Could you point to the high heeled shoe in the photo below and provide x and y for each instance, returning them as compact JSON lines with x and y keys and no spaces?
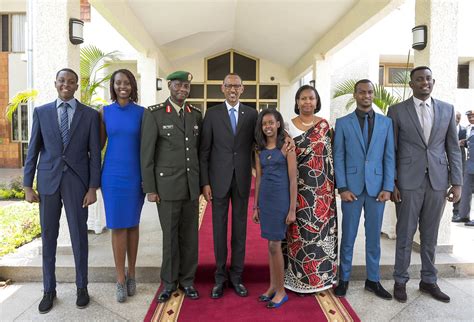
{"x":273,"y":305}
{"x":264,"y":298}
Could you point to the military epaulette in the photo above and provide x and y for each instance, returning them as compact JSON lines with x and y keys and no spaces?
{"x":195,"y":108}
{"x":156,"y":107}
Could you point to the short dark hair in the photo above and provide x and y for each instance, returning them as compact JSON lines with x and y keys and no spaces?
{"x":363,"y":81}
{"x":69,"y":70}
{"x":417,"y":69}
{"x":133,"y":84}
{"x":297,"y":97}
{"x":232,"y":74}
{"x":260,"y":137}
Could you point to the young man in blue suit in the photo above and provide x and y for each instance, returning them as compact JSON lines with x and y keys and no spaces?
{"x":364,"y":161}
{"x":65,"y":138}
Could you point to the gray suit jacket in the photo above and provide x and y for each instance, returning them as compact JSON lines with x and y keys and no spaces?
{"x":441,"y":156}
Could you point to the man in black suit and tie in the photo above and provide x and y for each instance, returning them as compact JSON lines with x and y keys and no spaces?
{"x":462,"y":144}
{"x":225,"y":164}
{"x":65,"y":138}
{"x":468,"y":179}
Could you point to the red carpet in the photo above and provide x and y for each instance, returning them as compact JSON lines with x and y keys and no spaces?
{"x":322,"y":307}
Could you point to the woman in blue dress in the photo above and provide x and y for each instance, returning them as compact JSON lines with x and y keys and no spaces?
{"x":121,"y":178}
{"x":275,"y":197}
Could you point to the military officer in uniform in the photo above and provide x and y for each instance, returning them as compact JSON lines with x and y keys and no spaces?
{"x":468,"y":181}
{"x":170,"y":174}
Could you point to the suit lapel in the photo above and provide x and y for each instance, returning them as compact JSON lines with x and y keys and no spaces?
{"x":436,"y":121}
{"x":224,"y":115}
{"x":76,"y":119}
{"x":241,"y":119}
{"x":357,"y":130}
{"x":410,"y":106}
{"x":375,"y":132}
{"x":53,"y":116}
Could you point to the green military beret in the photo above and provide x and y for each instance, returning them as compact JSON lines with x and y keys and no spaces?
{"x":180,"y":75}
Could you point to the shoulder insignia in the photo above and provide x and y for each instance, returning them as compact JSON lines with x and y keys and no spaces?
{"x":155,"y":107}
{"x":197,"y":109}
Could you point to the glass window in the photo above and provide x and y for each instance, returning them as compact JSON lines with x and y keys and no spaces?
{"x":245,"y":67}
{"x":268,"y":92}
{"x":18,"y":33}
{"x":197,"y":91}
{"x":4,"y":33}
{"x":211,"y":104}
{"x":381,"y":73}
{"x":20,"y":124}
{"x":264,"y":106}
{"x":396,"y":75}
{"x":218,"y":67}
{"x":463,"y":76}
{"x":214,"y":91}
{"x":199,"y":105}
{"x":250,"y":92}
{"x":251,"y":104}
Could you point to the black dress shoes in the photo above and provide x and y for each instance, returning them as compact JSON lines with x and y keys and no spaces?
{"x":217,"y":291}
{"x":458,"y":218}
{"x":377,"y":289}
{"x":341,"y":288}
{"x":240,"y":289}
{"x":190,"y":292}
{"x":434,"y":290}
{"x":46,"y":303}
{"x":164,"y":295}
{"x":400,"y":292}
{"x":469,"y":223}
{"x":82,"y":298}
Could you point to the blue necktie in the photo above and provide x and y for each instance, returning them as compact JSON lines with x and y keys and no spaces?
{"x":233,"y":120}
{"x":365,"y":132}
{"x":64,"y":124}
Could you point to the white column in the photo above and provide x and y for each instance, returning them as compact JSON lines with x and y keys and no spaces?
{"x":471,"y":74}
{"x":147,"y":69}
{"x":322,"y":77}
{"x":52,"y":49}
{"x":441,"y":55}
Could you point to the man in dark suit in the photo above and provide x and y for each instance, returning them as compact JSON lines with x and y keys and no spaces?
{"x":226,"y":173}
{"x":364,"y":163}
{"x":461,"y":130}
{"x":65,"y":137}
{"x":428,"y":162}
{"x":468,"y":179}
{"x":170,"y":174}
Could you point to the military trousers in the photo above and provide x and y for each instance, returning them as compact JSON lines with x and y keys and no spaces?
{"x":179,"y":221}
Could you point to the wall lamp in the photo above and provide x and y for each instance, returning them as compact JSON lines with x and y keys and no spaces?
{"x":159,"y":84}
{"x":76,"y":29}
{"x":420,"y":36}
{"x":312,"y":83}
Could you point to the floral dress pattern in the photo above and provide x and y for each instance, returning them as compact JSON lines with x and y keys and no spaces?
{"x":311,"y":249}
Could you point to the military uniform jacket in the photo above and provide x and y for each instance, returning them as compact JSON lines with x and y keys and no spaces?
{"x":169,"y":152}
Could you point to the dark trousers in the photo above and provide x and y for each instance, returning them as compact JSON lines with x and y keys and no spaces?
{"x":179,"y":221}
{"x":466,"y":195}
{"x":71,"y":193}
{"x":220,"y":211}
{"x":421,"y":207}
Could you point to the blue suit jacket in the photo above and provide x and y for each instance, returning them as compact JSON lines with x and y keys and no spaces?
{"x":81,"y":154}
{"x":356,"y":168}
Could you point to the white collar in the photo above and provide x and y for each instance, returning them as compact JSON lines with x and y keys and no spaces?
{"x":418,"y":101}
{"x":230,"y":106}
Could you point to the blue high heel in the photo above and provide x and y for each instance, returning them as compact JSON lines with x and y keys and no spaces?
{"x":273,"y":305}
{"x":264,"y":298}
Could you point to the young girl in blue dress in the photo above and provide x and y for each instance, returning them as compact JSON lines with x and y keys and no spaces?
{"x":275,"y":197}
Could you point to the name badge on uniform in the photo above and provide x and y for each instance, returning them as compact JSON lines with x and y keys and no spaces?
{"x":168,"y":127}
{"x":196,"y":130}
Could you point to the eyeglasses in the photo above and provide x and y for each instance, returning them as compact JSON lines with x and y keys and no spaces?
{"x":234,"y":86}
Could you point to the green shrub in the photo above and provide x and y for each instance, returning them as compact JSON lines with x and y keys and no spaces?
{"x":13,"y":190}
{"x":19,"y":224}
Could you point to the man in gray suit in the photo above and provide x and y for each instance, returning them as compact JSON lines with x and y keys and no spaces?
{"x":428,"y":161}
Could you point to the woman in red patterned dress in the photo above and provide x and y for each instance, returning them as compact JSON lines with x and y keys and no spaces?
{"x":311,"y":252}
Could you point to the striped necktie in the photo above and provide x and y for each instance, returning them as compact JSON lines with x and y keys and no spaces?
{"x":64,"y":123}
